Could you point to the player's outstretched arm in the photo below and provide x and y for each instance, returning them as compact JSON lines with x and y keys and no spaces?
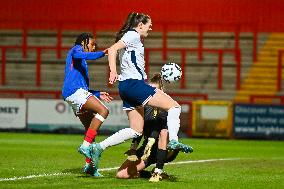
{"x":88,"y":55}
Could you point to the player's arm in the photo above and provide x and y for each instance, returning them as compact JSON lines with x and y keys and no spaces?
{"x":134,"y":145}
{"x":112,"y":53}
{"x":78,"y":53}
{"x":135,"y":142}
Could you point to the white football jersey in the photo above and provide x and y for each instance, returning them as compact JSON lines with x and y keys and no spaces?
{"x":132,"y":63}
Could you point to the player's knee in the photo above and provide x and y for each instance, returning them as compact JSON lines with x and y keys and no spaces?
{"x":105,"y":112}
{"x":176,"y":105}
{"x":173,"y":104}
{"x":136,"y":133}
{"x":174,"y":111}
{"x":102,"y":114}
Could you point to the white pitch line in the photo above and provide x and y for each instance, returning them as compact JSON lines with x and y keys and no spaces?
{"x":33,"y":176}
{"x":203,"y":161}
{"x":112,"y":168}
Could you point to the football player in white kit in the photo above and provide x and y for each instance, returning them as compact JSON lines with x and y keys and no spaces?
{"x":133,"y":89}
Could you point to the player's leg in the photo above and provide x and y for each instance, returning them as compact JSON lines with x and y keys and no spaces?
{"x":133,"y":147}
{"x":81,"y":101}
{"x":100,"y":112}
{"x":86,"y":119}
{"x":164,"y":101}
{"x":171,"y":155}
{"x":93,"y":114}
{"x":136,"y":121}
{"x":135,"y":94}
{"x":161,"y":156}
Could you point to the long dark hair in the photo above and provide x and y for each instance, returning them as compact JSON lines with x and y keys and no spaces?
{"x":84,"y":37}
{"x":132,"y":21}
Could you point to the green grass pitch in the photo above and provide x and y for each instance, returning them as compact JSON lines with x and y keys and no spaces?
{"x":52,"y":161}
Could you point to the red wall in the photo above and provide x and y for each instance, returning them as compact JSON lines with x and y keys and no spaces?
{"x":265,"y":15}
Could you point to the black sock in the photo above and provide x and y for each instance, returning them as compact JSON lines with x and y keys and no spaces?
{"x":161,"y":158}
{"x":135,"y":142}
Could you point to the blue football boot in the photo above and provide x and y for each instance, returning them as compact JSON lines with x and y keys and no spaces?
{"x":176,"y":145}
{"x":97,"y":174}
{"x":88,"y":169}
{"x":96,"y":152}
{"x":86,"y":151}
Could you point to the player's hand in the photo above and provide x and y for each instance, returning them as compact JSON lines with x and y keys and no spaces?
{"x":105,"y":97}
{"x":106,"y":52}
{"x":113,"y":76}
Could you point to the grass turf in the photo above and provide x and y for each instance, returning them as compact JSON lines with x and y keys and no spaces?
{"x":259,"y":164}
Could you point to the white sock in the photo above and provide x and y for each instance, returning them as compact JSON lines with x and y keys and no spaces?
{"x":173,"y":122}
{"x":159,"y":171}
{"x":119,"y":137}
{"x":86,"y":144}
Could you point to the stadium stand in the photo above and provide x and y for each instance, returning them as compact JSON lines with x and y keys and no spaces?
{"x":201,"y":74}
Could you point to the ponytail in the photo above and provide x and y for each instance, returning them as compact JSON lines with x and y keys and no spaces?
{"x":132,"y":21}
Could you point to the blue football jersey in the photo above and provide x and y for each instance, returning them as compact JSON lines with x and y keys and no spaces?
{"x":76,"y":70}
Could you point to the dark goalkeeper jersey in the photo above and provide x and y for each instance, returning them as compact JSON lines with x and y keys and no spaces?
{"x":154,"y":120}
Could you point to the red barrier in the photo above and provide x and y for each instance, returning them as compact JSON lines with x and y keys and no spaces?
{"x":163,"y":27}
{"x":165,"y":43}
{"x":279,"y":70}
{"x":147,"y":51}
{"x":255,"y":38}
{"x":183,"y":67}
{"x":38,"y":61}
{"x":189,"y":128}
{"x":253,"y":98}
{"x":220,"y":52}
{"x":38,"y":67}
{"x":59,"y":42}
{"x":200,"y":42}
{"x":220,"y":69}
{"x":237,"y":39}
{"x":24,"y":42}
{"x":3,"y":67}
{"x":23,"y":93}
{"x":238,"y":69}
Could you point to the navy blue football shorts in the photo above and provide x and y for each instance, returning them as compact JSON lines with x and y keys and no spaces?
{"x":135,"y":93}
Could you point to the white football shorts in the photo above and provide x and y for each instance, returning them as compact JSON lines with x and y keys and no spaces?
{"x":78,"y":99}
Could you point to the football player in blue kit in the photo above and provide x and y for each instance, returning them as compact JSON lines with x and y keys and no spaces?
{"x":85,"y":103}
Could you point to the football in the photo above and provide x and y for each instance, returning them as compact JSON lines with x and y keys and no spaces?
{"x":171,"y":72}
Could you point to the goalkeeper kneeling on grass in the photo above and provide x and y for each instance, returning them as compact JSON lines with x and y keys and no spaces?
{"x":154,"y":147}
